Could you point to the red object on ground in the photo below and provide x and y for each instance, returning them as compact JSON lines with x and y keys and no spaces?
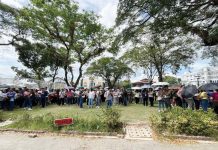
{"x":63,"y":122}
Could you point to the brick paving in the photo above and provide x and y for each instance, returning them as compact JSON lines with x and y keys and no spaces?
{"x":135,"y":131}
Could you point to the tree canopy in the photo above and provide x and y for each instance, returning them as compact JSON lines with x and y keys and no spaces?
{"x":77,"y":34}
{"x":33,"y":57}
{"x":170,"y":17}
{"x":161,"y":54}
{"x":171,"y":80}
{"x":110,"y":69}
{"x":8,"y":24}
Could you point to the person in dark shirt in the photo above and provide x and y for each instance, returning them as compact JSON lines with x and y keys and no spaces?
{"x":44,"y":95}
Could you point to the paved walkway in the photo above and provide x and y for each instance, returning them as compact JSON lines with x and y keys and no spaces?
{"x":138,"y":131}
{"x":17,"y":141}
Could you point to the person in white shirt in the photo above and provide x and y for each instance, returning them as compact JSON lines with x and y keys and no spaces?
{"x":161,"y":102}
{"x":137,"y":96}
{"x":91,"y":97}
{"x":62,"y":96}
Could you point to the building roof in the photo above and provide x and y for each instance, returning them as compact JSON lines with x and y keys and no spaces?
{"x":143,"y":81}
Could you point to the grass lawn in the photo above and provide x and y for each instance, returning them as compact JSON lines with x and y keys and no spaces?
{"x":133,"y":113}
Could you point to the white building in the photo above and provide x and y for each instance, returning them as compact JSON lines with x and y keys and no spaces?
{"x":89,"y":82}
{"x":203,"y":76}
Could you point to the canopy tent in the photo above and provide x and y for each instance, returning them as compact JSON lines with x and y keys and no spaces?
{"x":160,"y":84}
{"x":4,"y":86}
{"x":146,"y":86}
{"x":136,"y":88}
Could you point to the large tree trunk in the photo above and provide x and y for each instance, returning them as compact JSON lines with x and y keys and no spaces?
{"x":79,"y":77}
{"x":110,"y":86}
{"x":160,"y":75}
{"x":72,"y":76}
{"x":66,"y":77}
{"x":54,"y":75}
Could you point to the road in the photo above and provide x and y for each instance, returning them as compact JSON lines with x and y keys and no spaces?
{"x":18,"y":141}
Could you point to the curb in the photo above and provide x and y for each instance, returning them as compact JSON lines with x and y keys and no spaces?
{"x":74,"y":133}
{"x":195,"y":138}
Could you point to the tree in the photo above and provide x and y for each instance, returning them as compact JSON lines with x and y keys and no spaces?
{"x":198,"y":17}
{"x":110,"y":69}
{"x":124,"y":84}
{"x":160,"y":54}
{"x":171,"y":80}
{"x":33,"y":57}
{"x":8,"y":24}
{"x":78,"y":34}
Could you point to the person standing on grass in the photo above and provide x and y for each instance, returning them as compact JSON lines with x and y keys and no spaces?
{"x":120,"y":96}
{"x":11,"y":95}
{"x":166,"y":97}
{"x":144,"y":97}
{"x":204,"y":100}
{"x":125,"y":97}
{"x":109,"y":98}
{"x":44,"y":96}
{"x":31,"y":98}
{"x":69,"y":97}
{"x":196,"y":101}
{"x":137,"y":96}
{"x":27,"y":99}
{"x":215,"y":100}
{"x":161,"y":102}
{"x":62,"y":96}
{"x":81,"y":97}
{"x":98,"y":98}
{"x":91,"y":96}
{"x":151,"y":97}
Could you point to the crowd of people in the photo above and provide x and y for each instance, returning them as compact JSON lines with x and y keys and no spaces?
{"x":166,"y":98}
{"x":177,"y":97}
{"x":27,"y":98}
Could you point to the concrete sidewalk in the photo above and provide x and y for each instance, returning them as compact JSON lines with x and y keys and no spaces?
{"x":18,"y":141}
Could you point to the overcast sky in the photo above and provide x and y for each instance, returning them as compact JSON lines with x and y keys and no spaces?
{"x":105,"y":8}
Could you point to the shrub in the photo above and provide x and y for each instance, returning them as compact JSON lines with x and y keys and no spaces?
{"x":111,"y":117}
{"x":44,"y":122}
{"x":109,"y":121}
{"x":83,"y":125}
{"x":186,"y":121}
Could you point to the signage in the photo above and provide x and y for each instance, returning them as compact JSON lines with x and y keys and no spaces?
{"x":63,"y":122}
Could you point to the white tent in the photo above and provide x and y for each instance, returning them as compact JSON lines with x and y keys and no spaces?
{"x":160,"y":84}
{"x":146,"y":86}
{"x":136,"y":88}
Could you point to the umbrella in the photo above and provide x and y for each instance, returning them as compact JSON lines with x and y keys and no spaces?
{"x":189,"y":91}
{"x":209,"y":87}
{"x":136,"y":88}
{"x":146,"y":86}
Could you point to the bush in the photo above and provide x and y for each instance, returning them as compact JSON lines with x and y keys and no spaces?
{"x":27,"y":122}
{"x":83,"y":125}
{"x":111,"y":117}
{"x":107,"y":121}
{"x":185,"y":121}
